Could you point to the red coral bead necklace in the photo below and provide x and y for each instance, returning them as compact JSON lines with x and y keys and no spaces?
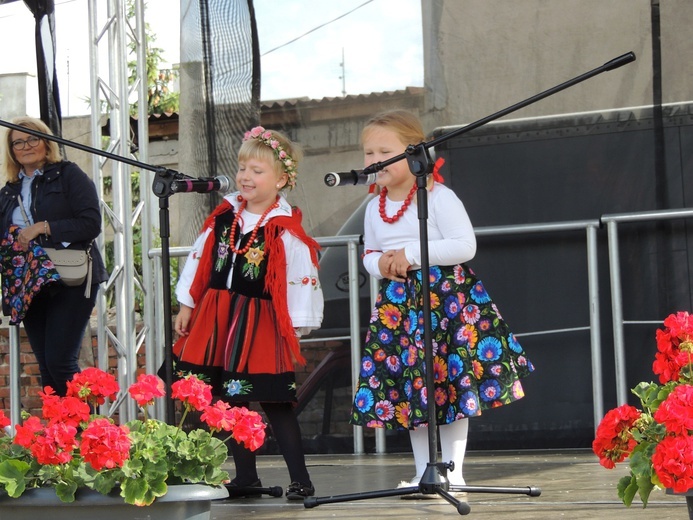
{"x":253,"y":235}
{"x":405,"y":205}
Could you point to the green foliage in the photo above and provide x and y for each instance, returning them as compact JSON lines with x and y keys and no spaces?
{"x":647,"y":434}
{"x":160,"y":455}
{"x":161,"y":99}
{"x":137,"y":243}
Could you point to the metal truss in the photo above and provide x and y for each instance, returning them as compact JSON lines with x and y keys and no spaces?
{"x":111,"y":35}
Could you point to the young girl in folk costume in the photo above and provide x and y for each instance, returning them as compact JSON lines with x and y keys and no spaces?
{"x":477,"y":362}
{"x":248,"y":290}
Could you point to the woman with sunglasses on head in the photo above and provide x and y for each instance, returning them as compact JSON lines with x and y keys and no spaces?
{"x":59,"y":209}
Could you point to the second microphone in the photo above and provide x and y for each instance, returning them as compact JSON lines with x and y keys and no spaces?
{"x":202,"y":185}
{"x":352,"y":178}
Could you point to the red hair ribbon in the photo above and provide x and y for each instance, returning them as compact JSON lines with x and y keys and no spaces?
{"x":436,"y":170}
{"x":436,"y":174}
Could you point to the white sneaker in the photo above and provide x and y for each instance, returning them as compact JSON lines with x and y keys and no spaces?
{"x":405,"y":484}
{"x":416,"y":496}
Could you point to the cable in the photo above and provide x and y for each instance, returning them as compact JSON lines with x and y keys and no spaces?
{"x":316,"y":28}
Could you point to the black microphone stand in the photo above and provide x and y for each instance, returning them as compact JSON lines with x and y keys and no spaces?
{"x":434,"y":479}
{"x":163,"y":187}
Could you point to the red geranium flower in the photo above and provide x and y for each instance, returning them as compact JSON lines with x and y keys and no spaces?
{"x":673,"y":462}
{"x":676,"y":411}
{"x":613,"y":441}
{"x":71,"y":448}
{"x":26,"y":432}
{"x":220,"y":416}
{"x":94,"y":385}
{"x":54,"y":446}
{"x":67,"y":410}
{"x":192,"y":392}
{"x":674,"y":347}
{"x":250,"y":430}
{"x":105,"y":445}
{"x":4,"y":420}
{"x":147,"y":388}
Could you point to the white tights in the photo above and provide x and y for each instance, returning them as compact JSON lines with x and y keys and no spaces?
{"x":453,"y":445}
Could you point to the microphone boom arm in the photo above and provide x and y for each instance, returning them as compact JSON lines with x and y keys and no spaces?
{"x":608,"y":66}
{"x":163,"y":179}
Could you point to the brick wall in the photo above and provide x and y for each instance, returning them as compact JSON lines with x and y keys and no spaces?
{"x":30,"y":381}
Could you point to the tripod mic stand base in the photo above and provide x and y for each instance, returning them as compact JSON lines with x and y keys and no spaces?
{"x":462,"y":507}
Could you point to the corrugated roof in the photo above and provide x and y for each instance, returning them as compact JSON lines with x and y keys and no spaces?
{"x":350,"y":98}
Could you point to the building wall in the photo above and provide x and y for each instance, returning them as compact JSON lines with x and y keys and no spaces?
{"x":18,"y":95}
{"x":482,"y":56}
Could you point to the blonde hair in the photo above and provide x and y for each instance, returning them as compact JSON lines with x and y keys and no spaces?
{"x":256,"y":146}
{"x":406,"y":125}
{"x":10,"y":166}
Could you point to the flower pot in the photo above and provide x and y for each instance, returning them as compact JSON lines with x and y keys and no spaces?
{"x":689,"y":500}
{"x":181,"y":502}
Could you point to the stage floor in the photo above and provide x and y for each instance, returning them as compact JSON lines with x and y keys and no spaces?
{"x":573,"y":486}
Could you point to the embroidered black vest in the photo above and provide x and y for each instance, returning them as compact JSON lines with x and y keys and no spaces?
{"x":248,"y":269}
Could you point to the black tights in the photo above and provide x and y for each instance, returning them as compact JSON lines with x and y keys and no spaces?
{"x":284,"y":424}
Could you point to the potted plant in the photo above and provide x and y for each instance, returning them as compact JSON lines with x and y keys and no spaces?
{"x":72,"y":450}
{"x":656,"y":438}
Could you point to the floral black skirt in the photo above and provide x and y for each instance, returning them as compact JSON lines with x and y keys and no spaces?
{"x":477,"y":362}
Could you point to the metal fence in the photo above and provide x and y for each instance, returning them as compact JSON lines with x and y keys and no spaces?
{"x":154,"y":352}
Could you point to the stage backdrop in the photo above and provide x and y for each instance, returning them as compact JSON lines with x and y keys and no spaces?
{"x":558,"y":169}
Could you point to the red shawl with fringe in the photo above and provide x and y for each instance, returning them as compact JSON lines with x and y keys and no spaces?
{"x":275,"y":281}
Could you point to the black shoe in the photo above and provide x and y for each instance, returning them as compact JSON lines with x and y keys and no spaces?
{"x":237,"y":490}
{"x":298,"y":491}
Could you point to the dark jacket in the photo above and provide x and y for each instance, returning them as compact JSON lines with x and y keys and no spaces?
{"x":66,"y":197}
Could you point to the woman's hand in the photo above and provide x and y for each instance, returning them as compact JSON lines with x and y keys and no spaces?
{"x":29,"y":233}
{"x":182,"y":320}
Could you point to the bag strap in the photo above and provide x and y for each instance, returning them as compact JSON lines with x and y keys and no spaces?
{"x":87,"y":289}
{"x":21,"y":208}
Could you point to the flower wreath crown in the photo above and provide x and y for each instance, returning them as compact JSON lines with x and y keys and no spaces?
{"x":265,"y":136}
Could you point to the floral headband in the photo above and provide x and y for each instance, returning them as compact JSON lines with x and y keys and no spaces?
{"x":265,"y":136}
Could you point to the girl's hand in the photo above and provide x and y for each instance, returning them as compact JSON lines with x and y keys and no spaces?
{"x":399,"y":265}
{"x":393,"y":265}
{"x":182,"y":320}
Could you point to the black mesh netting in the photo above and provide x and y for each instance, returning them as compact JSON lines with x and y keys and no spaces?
{"x":220,"y":92}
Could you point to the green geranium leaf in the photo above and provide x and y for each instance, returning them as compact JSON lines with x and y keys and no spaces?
{"x":66,"y":491}
{"x":141,"y":491}
{"x":627,"y":487}
{"x":12,"y":474}
{"x":645,"y":487}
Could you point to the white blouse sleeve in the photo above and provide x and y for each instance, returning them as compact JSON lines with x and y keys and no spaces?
{"x":451,"y":235}
{"x":304,"y":292}
{"x":372,"y":249}
{"x":187,"y":276}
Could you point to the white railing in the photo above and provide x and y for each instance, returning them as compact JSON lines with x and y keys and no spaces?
{"x":612,"y":221}
{"x":154,"y":353}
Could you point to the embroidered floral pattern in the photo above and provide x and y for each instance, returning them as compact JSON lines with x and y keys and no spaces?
{"x":254,"y":257}
{"x":306,"y":280}
{"x":238,"y":387}
{"x":222,"y":249}
{"x":24,"y":273}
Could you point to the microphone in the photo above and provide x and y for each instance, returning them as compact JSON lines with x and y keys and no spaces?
{"x":201,"y":185}
{"x":351,"y":178}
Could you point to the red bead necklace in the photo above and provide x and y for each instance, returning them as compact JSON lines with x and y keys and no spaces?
{"x":253,"y":235}
{"x":405,"y":205}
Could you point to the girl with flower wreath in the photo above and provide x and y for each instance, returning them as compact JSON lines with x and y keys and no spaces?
{"x":477,"y":362}
{"x":248,"y":291}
